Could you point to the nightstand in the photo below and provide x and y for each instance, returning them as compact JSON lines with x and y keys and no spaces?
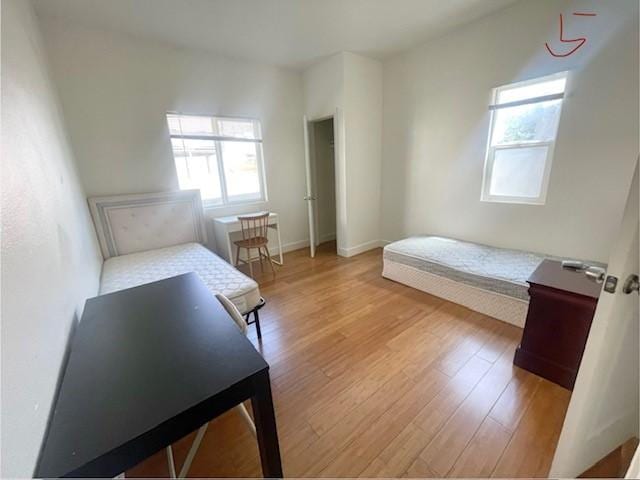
{"x":561,"y":309}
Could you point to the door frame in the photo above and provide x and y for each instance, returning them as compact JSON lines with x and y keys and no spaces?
{"x":339,"y":179}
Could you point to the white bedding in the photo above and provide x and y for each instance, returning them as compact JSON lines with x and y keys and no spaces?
{"x":135,"y":269}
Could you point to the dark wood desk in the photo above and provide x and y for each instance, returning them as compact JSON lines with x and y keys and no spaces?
{"x":561,"y":307}
{"x":147,"y":366}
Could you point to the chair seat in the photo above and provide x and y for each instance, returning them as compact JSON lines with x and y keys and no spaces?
{"x":252,"y":242}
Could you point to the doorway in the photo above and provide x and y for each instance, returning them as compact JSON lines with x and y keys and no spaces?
{"x":321,"y":184}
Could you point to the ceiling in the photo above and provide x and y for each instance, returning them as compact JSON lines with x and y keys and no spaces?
{"x":291,"y":33}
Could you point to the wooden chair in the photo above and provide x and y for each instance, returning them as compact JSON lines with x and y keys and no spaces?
{"x":254,"y":237}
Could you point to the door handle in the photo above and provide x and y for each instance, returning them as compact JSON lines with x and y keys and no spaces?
{"x":595,"y":273}
{"x":309,"y":198}
{"x":631,"y":284}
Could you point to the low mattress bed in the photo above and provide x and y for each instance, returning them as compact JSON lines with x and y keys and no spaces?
{"x":135,"y":269}
{"x":487,"y":279}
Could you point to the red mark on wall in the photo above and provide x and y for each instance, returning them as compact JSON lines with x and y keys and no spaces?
{"x":580,"y":41}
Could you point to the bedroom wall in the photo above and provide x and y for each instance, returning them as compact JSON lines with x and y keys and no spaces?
{"x":115,"y":90}
{"x":363,"y":145}
{"x":50,"y":258}
{"x":436,"y":123}
{"x":352,"y":85}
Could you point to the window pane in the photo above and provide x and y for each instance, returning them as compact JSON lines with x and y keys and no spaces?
{"x":552,"y":85}
{"x":237,"y":128}
{"x":241,"y":170}
{"x":190,"y":125}
{"x":197,"y":168}
{"x":534,"y":122}
{"x":518,"y":172}
{"x":174,"y":124}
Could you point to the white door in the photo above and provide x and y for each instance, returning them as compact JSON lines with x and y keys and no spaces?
{"x":310,"y":194}
{"x":603,"y":412}
{"x":634,"y":468}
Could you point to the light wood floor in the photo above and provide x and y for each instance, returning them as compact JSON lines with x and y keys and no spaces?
{"x":375,"y":379}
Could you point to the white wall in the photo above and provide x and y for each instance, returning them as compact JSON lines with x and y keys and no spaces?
{"x":352,"y":85}
{"x":50,"y":259}
{"x":115,"y":91}
{"x":324,"y":87}
{"x":436,"y":123}
{"x":363,"y":144}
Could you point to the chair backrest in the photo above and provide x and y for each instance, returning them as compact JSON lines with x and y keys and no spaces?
{"x":233,"y":311}
{"x":254,"y":226}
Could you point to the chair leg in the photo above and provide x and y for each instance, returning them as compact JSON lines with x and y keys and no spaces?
{"x":247,"y":418}
{"x":193,"y":450}
{"x":237,"y":255}
{"x":250,"y":262}
{"x":170,"y":462}
{"x":184,"y":471}
{"x":273,"y":270}
{"x":260,"y":257}
{"x":256,"y":317}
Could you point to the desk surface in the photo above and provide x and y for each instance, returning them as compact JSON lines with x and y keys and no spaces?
{"x":234,"y":218}
{"x":142,"y":361}
{"x":551,"y":274}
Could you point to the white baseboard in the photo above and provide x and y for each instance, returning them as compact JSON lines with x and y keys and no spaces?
{"x":289,"y":247}
{"x":363,"y":247}
{"x":343,"y":252}
{"x":327,"y":237}
{"x":273,"y":249}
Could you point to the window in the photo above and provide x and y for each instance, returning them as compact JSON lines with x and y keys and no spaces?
{"x":222,"y":157}
{"x":524,"y":123}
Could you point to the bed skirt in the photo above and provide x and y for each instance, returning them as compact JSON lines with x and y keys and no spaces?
{"x":508,"y":309}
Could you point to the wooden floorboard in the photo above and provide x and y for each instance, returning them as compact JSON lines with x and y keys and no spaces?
{"x":374,"y":379}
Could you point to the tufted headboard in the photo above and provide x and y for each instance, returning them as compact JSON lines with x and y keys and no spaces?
{"x":134,"y":223}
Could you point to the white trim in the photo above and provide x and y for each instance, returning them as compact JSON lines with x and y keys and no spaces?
{"x":288,"y":247}
{"x":527,"y":101}
{"x":291,"y":246}
{"x":357,"y":249}
{"x":530,"y":81}
{"x":496,"y":305}
{"x":327,"y":237}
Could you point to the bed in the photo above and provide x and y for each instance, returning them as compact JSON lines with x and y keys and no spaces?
{"x":150,"y":237}
{"x":486,"y":279}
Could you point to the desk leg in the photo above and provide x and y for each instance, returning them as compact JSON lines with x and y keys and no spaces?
{"x":229,"y":250}
{"x":266,"y":432}
{"x":276,"y":227}
{"x":280,"y":245}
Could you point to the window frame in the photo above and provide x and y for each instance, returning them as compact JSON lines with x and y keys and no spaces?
{"x":490,"y":155}
{"x":217,"y":140}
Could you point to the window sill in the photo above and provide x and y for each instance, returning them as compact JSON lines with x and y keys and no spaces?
{"x":514,"y":201}
{"x":233,"y":206}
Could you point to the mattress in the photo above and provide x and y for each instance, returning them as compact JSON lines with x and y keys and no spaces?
{"x":493,"y":269}
{"x":126,"y":271}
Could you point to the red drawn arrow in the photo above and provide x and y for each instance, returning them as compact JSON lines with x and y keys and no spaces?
{"x":581,"y":41}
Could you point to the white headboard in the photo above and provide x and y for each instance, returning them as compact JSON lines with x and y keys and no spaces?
{"x":134,"y":223}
